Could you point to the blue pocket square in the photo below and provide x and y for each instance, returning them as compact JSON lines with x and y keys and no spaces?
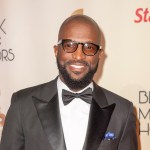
{"x":109,"y":136}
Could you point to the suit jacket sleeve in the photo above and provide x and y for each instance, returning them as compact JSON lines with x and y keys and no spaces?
{"x":129,"y":137}
{"x":12,"y":135}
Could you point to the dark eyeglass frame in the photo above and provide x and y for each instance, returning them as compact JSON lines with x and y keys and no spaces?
{"x":61,"y":42}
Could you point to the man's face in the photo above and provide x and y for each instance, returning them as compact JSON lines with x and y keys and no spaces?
{"x":78,"y":66}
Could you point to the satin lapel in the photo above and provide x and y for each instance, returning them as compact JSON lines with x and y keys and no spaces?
{"x":49,"y":116}
{"x":100,"y":114}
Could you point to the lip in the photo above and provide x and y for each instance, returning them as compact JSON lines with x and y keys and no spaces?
{"x":78,"y":67}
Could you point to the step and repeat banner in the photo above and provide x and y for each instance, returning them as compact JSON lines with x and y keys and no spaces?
{"x":29,"y":29}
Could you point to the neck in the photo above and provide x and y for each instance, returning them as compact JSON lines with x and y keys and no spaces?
{"x":78,"y":88}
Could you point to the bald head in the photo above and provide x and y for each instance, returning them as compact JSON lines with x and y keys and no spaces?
{"x":77,"y":23}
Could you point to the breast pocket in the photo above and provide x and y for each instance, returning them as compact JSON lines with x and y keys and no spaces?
{"x":109,"y":145}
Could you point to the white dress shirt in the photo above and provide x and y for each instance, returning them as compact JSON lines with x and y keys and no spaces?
{"x":74,"y":117}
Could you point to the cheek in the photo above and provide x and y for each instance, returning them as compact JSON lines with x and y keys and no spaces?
{"x":93,"y":61}
{"x":63,"y":57}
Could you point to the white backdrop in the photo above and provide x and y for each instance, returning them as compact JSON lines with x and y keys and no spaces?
{"x":28,"y":31}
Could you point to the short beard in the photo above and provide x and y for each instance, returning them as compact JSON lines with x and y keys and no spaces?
{"x":76,"y":84}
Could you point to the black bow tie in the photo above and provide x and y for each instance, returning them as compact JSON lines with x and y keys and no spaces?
{"x":86,"y":96}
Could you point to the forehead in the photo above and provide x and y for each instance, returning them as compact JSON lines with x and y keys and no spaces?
{"x":81,"y":30}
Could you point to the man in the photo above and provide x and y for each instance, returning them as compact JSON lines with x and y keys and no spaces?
{"x":71,"y":112}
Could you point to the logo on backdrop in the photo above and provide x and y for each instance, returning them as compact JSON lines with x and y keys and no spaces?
{"x":6,"y":54}
{"x":144,"y":112}
{"x":142,"y":15}
{"x":78,"y":11}
{"x":2,"y":120}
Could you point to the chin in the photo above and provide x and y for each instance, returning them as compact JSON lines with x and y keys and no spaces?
{"x":77,"y":77}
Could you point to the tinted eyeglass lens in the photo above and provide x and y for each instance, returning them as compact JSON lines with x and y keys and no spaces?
{"x":69,"y":46}
{"x":89,"y":49}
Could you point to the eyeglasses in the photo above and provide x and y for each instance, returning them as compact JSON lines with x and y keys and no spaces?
{"x":88,"y":48}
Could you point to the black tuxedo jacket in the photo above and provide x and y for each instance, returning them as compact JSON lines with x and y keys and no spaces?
{"x":33,"y":121}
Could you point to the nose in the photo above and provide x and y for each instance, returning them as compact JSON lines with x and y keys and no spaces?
{"x":78,"y":54}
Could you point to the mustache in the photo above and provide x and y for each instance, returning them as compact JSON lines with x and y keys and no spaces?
{"x":77,"y":61}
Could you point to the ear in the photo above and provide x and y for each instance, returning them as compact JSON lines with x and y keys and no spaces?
{"x":101,"y":53}
{"x":55,"y":50}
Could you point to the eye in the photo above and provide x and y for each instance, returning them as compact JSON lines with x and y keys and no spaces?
{"x":68,"y":44}
{"x":89,"y":46}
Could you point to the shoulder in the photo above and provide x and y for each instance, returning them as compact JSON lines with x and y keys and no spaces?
{"x":37,"y":90}
{"x":123,"y":109}
{"x":122,"y":104}
{"x":115,"y":98}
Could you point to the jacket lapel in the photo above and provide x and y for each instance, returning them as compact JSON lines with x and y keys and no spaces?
{"x":47,"y":106}
{"x":100,"y":114}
